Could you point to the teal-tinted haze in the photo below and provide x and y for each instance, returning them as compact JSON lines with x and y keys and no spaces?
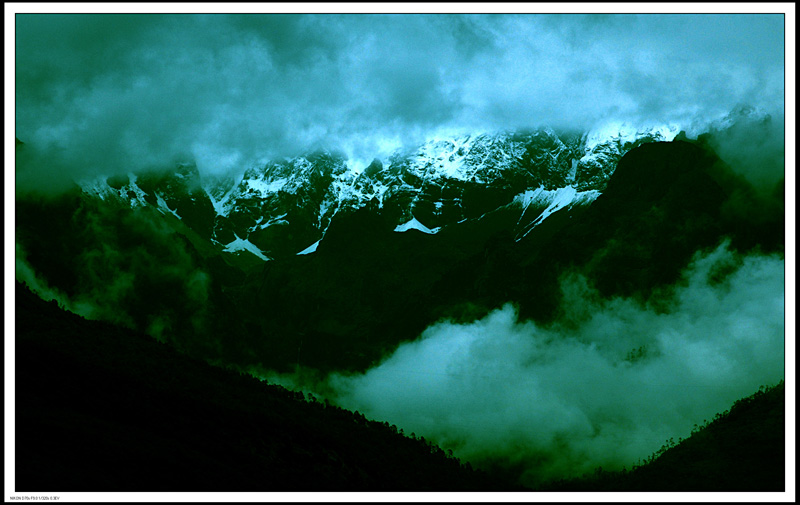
{"x":606,"y":386}
{"x":102,"y":94}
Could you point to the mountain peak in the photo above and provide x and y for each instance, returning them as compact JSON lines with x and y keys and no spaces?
{"x":282,"y":206}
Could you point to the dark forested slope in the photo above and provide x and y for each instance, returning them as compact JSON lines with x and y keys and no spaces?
{"x":742,"y":449}
{"x":101,"y":408}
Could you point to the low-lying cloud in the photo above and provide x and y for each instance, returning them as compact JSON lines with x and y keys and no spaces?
{"x":105,"y":94}
{"x":129,"y":268}
{"x":754,"y":147}
{"x":26,"y":274}
{"x":604,"y":386}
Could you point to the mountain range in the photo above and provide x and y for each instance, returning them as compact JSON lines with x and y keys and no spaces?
{"x":286,"y":206}
{"x":314,"y":265}
{"x":309,"y":261}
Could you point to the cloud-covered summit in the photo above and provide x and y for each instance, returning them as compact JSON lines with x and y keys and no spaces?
{"x":102,"y":94}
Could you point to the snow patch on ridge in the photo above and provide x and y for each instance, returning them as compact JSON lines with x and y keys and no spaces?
{"x":264,"y":188}
{"x":97,"y":186}
{"x":241,"y":244}
{"x":624,"y":133}
{"x":573,"y":171}
{"x":261,"y":225}
{"x":162,"y":205}
{"x":223,"y":206}
{"x":413,"y":224}
{"x":445,"y":157}
{"x":310,"y":249}
{"x":139,"y":194}
{"x":479,"y":158}
{"x":219,"y":206}
{"x":555,"y":200}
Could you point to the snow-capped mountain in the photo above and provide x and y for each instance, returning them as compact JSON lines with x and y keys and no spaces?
{"x":286,"y":206}
{"x":313,"y":260}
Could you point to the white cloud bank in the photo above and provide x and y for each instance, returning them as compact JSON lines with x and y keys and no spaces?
{"x":605,"y":386}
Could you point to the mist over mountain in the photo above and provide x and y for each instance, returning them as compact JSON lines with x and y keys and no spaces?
{"x":605,"y":384}
{"x":544,"y":265}
{"x":658,"y":273}
{"x":228,"y":91}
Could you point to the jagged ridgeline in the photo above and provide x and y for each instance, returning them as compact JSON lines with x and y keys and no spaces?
{"x":307,"y":249}
{"x":313,"y":262}
{"x":285,"y":207}
{"x":317,"y":268}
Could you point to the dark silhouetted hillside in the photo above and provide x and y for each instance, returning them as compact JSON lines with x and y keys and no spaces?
{"x":101,"y":408}
{"x":742,"y":449}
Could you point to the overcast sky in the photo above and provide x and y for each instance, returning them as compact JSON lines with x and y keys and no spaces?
{"x":110,"y":93}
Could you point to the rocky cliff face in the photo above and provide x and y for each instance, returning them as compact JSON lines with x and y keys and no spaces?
{"x":286,"y":206}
